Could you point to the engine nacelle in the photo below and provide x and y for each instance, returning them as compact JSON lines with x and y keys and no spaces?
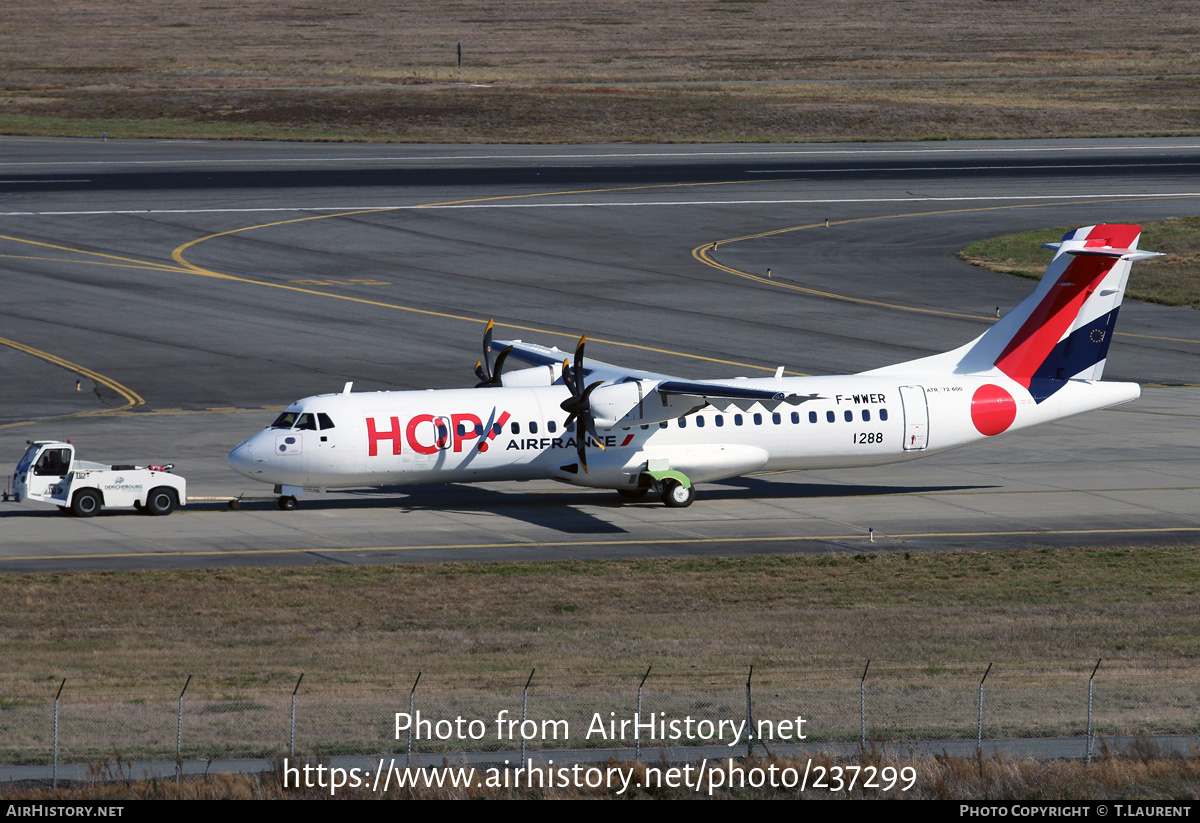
{"x":637,"y":402}
{"x":531,"y":377}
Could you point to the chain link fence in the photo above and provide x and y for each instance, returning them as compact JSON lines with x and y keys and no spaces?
{"x":548,"y":710}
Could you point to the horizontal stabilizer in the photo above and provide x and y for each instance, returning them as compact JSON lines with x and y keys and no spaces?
{"x":1120,"y":254}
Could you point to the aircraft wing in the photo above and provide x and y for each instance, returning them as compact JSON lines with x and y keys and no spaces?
{"x":730,"y":390}
{"x":595,"y":370}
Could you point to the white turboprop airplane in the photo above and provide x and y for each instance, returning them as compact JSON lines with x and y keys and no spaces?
{"x":596,"y":425}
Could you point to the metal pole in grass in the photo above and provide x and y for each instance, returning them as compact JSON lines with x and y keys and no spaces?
{"x":979,"y":731}
{"x":292,"y":735}
{"x":179,"y":733}
{"x":1089,"y":716}
{"x":412,"y":696}
{"x":637,"y":727}
{"x":525,"y":712}
{"x":56,"y":697}
{"x":749,"y":716}
{"x":862,"y":705}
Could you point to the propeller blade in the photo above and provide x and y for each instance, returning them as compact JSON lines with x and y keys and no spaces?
{"x":581,"y":448}
{"x":579,"y":405}
{"x":579,"y":361}
{"x":488,"y":372}
{"x":591,"y":431}
{"x":487,"y":349}
{"x":499,"y":366}
{"x":568,"y":381}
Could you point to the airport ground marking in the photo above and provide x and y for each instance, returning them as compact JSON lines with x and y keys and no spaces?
{"x":134,"y":263}
{"x":132,"y":398}
{"x":178,"y":255}
{"x":334,"y":211}
{"x":703,"y":253}
{"x":150,"y":266}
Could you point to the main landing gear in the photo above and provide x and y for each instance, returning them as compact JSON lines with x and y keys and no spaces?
{"x":673,"y":488}
{"x":675,"y":495}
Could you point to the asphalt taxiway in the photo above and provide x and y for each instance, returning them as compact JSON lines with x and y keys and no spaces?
{"x":192,"y":287}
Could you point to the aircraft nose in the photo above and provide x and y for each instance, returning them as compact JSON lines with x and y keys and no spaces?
{"x":241,"y":460}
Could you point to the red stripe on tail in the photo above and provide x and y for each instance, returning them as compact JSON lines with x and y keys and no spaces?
{"x":1053,"y":317}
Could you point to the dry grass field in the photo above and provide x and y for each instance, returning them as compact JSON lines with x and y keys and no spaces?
{"x":559,"y":71}
{"x":469,"y":627}
{"x":1173,"y":280}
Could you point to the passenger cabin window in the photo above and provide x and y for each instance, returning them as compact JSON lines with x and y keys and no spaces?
{"x":682,"y":423}
{"x":757,"y":419}
{"x":516,"y":427}
{"x":866,"y":415}
{"x":849,"y":415}
{"x":829,"y":416}
{"x":795,"y":418}
{"x":719,"y":420}
{"x":812,"y":417}
{"x":776,"y":419}
{"x":883,"y":414}
{"x":551,"y":426}
{"x":700,"y":422}
{"x":533,"y":427}
{"x":737,"y":420}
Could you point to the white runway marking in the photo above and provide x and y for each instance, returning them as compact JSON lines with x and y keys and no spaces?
{"x":619,"y":204}
{"x":640,"y":155}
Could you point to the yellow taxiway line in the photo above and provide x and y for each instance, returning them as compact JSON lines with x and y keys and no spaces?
{"x":703,"y":253}
{"x":131,"y":397}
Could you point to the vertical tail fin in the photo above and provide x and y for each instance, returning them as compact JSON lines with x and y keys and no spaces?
{"x":1062,"y":330}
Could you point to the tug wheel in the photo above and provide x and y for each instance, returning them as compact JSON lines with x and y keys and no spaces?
{"x":86,"y":503}
{"x":160,"y":501}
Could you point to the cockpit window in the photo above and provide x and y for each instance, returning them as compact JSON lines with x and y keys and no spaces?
{"x":285,"y":420}
{"x":307,"y":422}
{"x":53,"y":463}
{"x":324,"y":420}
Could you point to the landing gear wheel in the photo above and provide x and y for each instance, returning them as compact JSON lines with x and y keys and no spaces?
{"x":86,"y":503}
{"x":235,"y":504}
{"x":632,"y":494}
{"x":160,"y":501}
{"x":287,"y":503}
{"x":675,"y":495}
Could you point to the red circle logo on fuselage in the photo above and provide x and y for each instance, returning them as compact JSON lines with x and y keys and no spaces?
{"x":993,"y":409}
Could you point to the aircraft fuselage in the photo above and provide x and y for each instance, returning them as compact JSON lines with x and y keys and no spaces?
{"x":470,"y":435}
